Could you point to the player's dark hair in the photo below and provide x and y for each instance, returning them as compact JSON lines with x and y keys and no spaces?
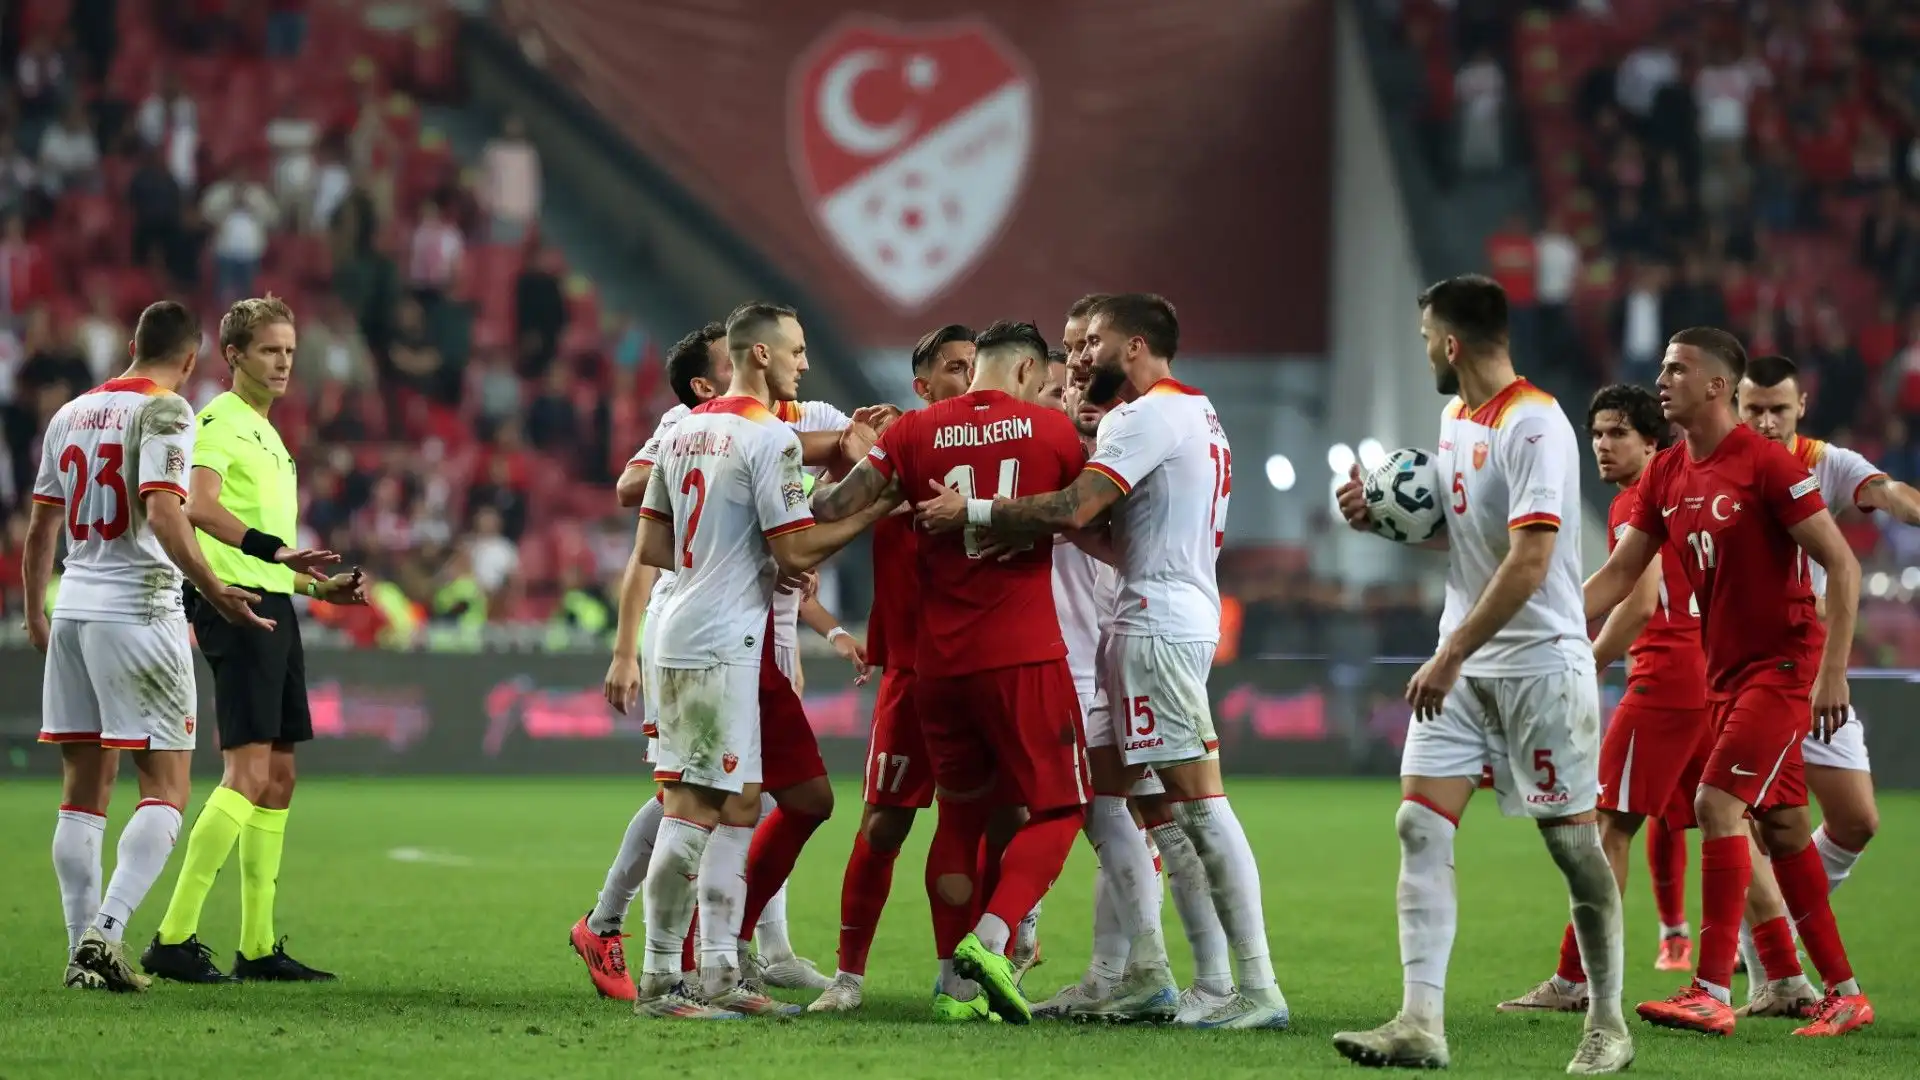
{"x":750,"y":324}
{"x":165,"y":330}
{"x":933,"y":341}
{"x":1771,"y":370}
{"x":1473,"y":307}
{"x":1718,"y":344}
{"x":1056,"y":356}
{"x":1638,"y":406}
{"x":1008,"y":336}
{"x":692,"y":358}
{"x":1084,"y":306}
{"x":1146,"y":316}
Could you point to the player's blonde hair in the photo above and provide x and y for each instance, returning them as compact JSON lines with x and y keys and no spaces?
{"x":245,"y":317}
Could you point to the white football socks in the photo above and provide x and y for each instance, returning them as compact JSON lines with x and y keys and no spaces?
{"x":723,"y":903}
{"x":1837,"y":860}
{"x":1595,"y":901}
{"x":1429,"y":911}
{"x":78,"y":836}
{"x":1756,"y":971}
{"x":1234,"y":879}
{"x":670,"y":894}
{"x":145,"y":843}
{"x":1110,"y":940}
{"x":629,"y":869}
{"x":1026,"y":936}
{"x":1122,"y":850}
{"x":1193,"y":899}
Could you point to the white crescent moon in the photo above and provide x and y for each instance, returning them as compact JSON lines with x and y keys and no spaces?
{"x":1715,"y":507}
{"x":837,"y":117}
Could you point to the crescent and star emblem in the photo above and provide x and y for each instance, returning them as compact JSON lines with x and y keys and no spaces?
{"x":1715,"y":507}
{"x":843,"y":124}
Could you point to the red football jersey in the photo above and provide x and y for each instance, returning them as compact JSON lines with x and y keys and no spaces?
{"x":896,"y":583}
{"x":1666,"y":668}
{"x":1725,"y":518}
{"x":977,"y":614}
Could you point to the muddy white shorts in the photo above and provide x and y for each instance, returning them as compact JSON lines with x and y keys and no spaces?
{"x":124,"y":685}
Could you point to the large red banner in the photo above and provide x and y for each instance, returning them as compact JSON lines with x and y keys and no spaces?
{"x":917,"y":168}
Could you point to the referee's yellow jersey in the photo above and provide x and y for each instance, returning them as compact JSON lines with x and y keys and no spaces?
{"x":257,"y":485}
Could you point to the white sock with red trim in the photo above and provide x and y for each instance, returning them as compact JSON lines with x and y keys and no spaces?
{"x":723,"y":903}
{"x":668,"y":897}
{"x":1131,"y":883}
{"x":78,"y":835}
{"x":629,"y":869}
{"x":145,"y":845}
{"x":1233,"y":879}
{"x":1193,"y":899}
{"x":1429,"y":911}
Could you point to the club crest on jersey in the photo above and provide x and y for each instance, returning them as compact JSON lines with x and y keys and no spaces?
{"x":911,"y":142}
{"x":729,"y":762}
{"x":1479,"y":454}
{"x":189,"y":723}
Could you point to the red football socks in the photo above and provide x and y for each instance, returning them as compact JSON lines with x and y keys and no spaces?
{"x":954,"y":852}
{"x":1667,"y":859}
{"x":1773,"y":940}
{"x":1803,"y":884}
{"x":1570,"y":968}
{"x":1726,"y":868}
{"x":863,"y":894}
{"x":1033,"y":860}
{"x":776,"y":847}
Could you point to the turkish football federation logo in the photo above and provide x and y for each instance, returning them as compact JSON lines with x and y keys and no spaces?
{"x":911,"y":144}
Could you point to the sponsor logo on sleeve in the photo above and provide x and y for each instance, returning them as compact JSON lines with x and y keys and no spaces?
{"x":794,"y":493}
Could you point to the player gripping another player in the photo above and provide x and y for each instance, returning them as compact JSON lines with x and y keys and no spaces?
{"x":1511,"y":687}
{"x":1655,"y":746}
{"x":1742,"y":515}
{"x":119,"y":674}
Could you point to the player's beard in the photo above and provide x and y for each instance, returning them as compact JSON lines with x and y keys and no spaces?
{"x":1106,"y":383}
{"x":1446,"y":379}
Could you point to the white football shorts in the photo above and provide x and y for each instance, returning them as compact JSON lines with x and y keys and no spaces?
{"x":1099,"y":727}
{"x":783,"y":657}
{"x":1848,"y":750}
{"x":649,"y":677}
{"x":709,"y":726}
{"x":126,"y":686}
{"x":1157,"y":695}
{"x":1539,"y":734}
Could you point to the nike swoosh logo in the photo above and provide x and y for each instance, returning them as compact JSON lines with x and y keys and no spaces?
{"x":1738,"y":771}
{"x":1668,"y":511}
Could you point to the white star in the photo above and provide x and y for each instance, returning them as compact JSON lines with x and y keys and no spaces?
{"x":921,"y":72}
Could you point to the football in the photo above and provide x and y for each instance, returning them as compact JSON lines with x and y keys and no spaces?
{"x":1403,"y":498}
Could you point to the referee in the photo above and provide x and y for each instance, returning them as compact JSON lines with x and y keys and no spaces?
{"x":243,"y":498}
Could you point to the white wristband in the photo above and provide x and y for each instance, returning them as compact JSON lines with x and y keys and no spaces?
{"x":979,"y":511}
{"x":837,"y":633}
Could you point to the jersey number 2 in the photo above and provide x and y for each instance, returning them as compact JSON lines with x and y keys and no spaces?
{"x":106,"y":474}
{"x":696,"y":484}
{"x":960,"y":478}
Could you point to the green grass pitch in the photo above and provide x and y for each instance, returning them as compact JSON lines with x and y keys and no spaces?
{"x":455,"y":963}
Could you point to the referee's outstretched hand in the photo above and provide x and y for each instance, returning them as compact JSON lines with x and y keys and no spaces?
{"x":235,"y":605}
{"x":308,"y":561}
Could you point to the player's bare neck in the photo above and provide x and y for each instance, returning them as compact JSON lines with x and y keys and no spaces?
{"x":1482,"y":381}
{"x":746,"y":385}
{"x":257,"y":396}
{"x":1705,"y":435}
{"x":1144,"y":375}
{"x":164,"y":376}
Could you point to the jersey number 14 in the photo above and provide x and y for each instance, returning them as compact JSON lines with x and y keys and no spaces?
{"x":960,"y":478}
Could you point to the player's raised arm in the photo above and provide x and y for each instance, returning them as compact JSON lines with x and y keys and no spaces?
{"x":1628,"y":618}
{"x":864,"y":486}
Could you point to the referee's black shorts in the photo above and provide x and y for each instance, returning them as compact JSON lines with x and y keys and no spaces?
{"x":259,"y":676}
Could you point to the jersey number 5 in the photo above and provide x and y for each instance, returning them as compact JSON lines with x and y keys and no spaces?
{"x":696,"y":485}
{"x":960,"y":478}
{"x":1459,"y":493}
{"x":106,"y":474}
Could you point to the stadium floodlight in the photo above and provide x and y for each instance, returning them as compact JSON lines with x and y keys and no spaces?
{"x":1879,"y":583}
{"x":1340,"y":458}
{"x":1910,"y":578}
{"x":1280,"y":472}
{"x":1372,"y":454}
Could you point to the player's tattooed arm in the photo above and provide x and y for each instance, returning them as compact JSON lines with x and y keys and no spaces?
{"x":1073,"y":507}
{"x":1614,"y":582}
{"x":1899,"y":501}
{"x":862,"y":488}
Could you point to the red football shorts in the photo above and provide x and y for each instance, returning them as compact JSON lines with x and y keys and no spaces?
{"x":1650,"y":761}
{"x":789,"y":752}
{"x":1015,"y":727}
{"x":1756,"y":746}
{"x":899,"y":772}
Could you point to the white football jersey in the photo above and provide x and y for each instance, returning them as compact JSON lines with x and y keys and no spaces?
{"x":1842,"y":474}
{"x":104,"y":451}
{"x":726,"y":479}
{"x":1511,"y":464}
{"x":804,"y":416}
{"x":1085,"y":591}
{"x":648,"y":453}
{"x":1169,"y":456}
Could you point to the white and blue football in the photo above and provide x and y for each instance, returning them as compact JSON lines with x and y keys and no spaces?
{"x":1403,"y":498}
